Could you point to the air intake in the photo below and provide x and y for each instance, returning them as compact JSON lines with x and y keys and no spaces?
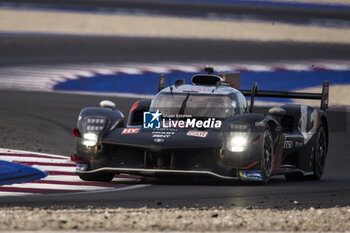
{"x":206,"y":79}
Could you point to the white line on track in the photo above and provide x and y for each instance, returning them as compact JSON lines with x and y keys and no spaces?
{"x":4,"y":194}
{"x":63,"y":178}
{"x":55,"y":186}
{"x":55,"y":168}
{"x":14,"y":151}
{"x":11,"y":158}
{"x":75,"y":178}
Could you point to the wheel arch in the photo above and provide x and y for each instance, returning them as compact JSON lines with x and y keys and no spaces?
{"x":273,"y":125}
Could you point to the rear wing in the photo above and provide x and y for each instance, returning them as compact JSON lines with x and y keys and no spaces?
{"x":254,"y":92}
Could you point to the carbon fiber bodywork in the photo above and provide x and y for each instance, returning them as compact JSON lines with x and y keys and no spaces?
{"x":289,"y":135}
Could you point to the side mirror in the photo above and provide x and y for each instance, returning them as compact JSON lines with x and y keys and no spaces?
{"x":107,"y":104}
{"x":277,"y":111}
{"x":161,"y":84}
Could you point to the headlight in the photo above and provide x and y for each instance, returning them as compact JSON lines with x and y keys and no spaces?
{"x":91,"y":129}
{"x":95,"y":124}
{"x":237,"y":142}
{"x":236,"y":127}
{"x":90,"y":139}
{"x":238,"y":137}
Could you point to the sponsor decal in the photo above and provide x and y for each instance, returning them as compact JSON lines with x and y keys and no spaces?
{"x":194,"y":89}
{"x":191,"y":123}
{"x":201,"y":134}
{"x":288,"y":144}
{"x":306,"y":120}
{"x":162,"y":134}
{"x":159,"y":140}
{"x":165,"y":130}
{"x":130,"y":130}
{"x":81,"y":167}
{"x":255,"y":175}
{"x":298,"y":144}
{"x":151,"y":120}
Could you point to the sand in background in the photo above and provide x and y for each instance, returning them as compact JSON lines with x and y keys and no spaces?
{"x":339,"y":95}
{"x":33,"y":21}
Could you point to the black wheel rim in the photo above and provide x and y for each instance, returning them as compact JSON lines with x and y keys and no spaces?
{"x":267,"y":153}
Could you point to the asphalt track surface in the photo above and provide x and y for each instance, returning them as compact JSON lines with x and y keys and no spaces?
{"x":50,"y":49}
{"x":43,"y":122}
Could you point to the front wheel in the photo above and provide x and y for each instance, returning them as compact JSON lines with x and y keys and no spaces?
{"x":267,"y":157}
{"x":104,"y":177}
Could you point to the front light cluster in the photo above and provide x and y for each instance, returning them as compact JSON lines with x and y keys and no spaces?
{"x":237,"y":142}
{"x":239,"y":127}
{"x":96,"y":120}
{"x":93,"y":126}
{"x":238,"y":138}
{"x":90,"y":139}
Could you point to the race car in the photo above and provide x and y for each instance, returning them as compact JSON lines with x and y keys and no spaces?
{"x":204,"y":129}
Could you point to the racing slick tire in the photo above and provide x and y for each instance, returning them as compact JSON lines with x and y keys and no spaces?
{"x":319,"y":158}
{"x":104,"y":177}
{"x":320,"y":154}
{"x":267,"y":157}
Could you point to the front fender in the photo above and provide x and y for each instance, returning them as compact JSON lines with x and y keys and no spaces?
{"x":95,"y":122}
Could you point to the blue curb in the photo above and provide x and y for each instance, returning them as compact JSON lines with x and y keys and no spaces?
{"x":11,"y":173}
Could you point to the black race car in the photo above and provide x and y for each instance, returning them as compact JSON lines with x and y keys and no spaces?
{"x":207,"y":129}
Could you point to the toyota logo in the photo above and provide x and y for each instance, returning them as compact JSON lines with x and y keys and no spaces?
{"x":159,"y":140}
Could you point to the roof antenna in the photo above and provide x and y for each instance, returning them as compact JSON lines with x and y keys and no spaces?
{"x":209,"y":69}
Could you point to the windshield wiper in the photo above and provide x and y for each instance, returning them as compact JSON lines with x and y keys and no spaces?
{"x":183,"y":105}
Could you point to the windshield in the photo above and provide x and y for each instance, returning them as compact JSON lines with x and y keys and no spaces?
{"x":196,"y":105}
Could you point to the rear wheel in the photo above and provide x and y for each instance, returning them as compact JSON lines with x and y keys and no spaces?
{"x":104,"y":177}
{"x":267,"y":157}
{"x":319,"y":158}
{"x":320,"y":153}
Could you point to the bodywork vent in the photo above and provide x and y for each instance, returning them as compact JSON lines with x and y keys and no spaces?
{"x":206,"y":79}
